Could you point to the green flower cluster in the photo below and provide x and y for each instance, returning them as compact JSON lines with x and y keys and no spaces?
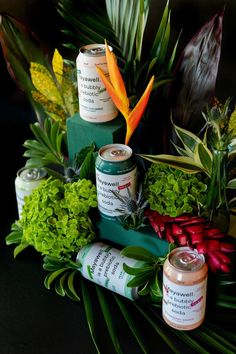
{"x":55,"y":219}
{"x":172,"y":192}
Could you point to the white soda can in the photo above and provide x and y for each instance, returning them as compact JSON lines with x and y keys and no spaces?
{"x":103,"y":265}
{"x":26,"y":181}
{"x":95,"y":103}
{"x":184,"y":289}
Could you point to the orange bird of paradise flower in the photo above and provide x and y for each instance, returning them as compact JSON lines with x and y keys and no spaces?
{"x":116,"y":89}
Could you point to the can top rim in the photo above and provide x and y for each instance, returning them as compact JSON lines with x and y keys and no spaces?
{"x":186,"y":259}
{"x":85,"y":50}
{"x":31,"y":174}
{"x":115,"y":147}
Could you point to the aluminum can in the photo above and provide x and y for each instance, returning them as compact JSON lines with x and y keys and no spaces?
{"x":103,"y":265}
{"x":95,"y":103}
{"x":184,"y":289}
{"x":116,"y":171}
{"x":26,"y":181}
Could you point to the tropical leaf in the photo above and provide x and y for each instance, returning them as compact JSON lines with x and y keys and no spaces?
{"x":231,"y":184}
{"x":20,"y":47}
{"x":87,"y":300}
{"x":46,"y":151}
{"x":44,"y":83}
{"x":129,"y":25}
{"x":15,"y":236}
{"x":188,"y":139}
{"x":57,"y":66}
{"x":139,"y":253}
{"x":131,"y":323}
{"x":195,"y":76}
{"x":204,"y":156}
{"x":183,"y":163}
{"x":108,"y":319}
{"x":19,"y":248}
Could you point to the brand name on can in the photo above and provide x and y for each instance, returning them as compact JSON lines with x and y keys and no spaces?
{"x":108,"y":203}
{"x":183,"y":305}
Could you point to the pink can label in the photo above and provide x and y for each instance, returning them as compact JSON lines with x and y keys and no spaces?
{"x":183,"y":305}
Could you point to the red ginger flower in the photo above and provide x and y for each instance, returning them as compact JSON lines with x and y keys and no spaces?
{"x":195,"y":232}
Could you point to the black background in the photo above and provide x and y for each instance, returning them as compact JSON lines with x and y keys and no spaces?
{"x":32,"y":319}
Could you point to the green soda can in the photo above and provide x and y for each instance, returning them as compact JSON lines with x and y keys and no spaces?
{"x":103,"y":265}
{"x":116,"y":171}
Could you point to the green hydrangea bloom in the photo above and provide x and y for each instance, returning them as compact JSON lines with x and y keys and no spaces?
{"x":173,"y":192}
{"x":55,"y":219}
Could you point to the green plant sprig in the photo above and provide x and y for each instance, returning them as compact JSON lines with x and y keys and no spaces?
{"x":148,"y":277}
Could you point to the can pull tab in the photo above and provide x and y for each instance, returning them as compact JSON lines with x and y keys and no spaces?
{"x":117,"y":152}
{"x":33,"y":174}
{"x":188,"y":259}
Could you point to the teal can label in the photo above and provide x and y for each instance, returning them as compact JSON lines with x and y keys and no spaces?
{"x":103,"y":265}
{"x":116,"y":171}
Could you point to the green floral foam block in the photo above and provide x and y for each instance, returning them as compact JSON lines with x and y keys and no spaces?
{"x":114,"y":232}
{"x":81,"y":133}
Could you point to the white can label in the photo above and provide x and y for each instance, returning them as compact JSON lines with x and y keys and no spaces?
{"x":95,"y":103}
{"x":183,"y":305}
{"x":107,"y":201}
{"x":24,"y":189}
{"x":103,"y":265}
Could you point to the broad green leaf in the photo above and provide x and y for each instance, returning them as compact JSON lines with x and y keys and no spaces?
{"x":214,"y":343}
{"x":20,"y":47}
{"x":88,"y":306}
{"x":59,"y":285}
{"x":71,"y":288}
{"x":156,"y":47}
{"x":49,"y":279}
{"x":158,"y":83}
{"x":131,"y":323}
{"x":203,"y":156}
{"x":182,"y":152}
{"x":52,"y":263}
{"x":172,"y":58}
{"x":190,"y":342}
{"x":140,"y":279}
{"x":219,"y":338}
{"x":108,"y":319}
{"x":231,"y":184}
{"x":21,"y":247}
{"x":155,"y":286}
{"x":138,"y":253}
{"x":145,"y":290}
{"x":183,"y":163}
{"x":136,"y":271}
{"x":162,"y":333}
{"x":57,"y":65}
{"x":15,"y":235}
{"x":232,"y":204}
{"x":44,"y":83}
{"x":34,"y":145}
{"x":188,"y":139}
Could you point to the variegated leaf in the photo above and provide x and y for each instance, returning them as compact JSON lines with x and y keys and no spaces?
{"x":183,"y":163}
{"x":44,"y":83}
{"x":188,"y":139}
{"x":57,"y":66}
{"x":231,"y":184}
{"x":203,"y":156}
